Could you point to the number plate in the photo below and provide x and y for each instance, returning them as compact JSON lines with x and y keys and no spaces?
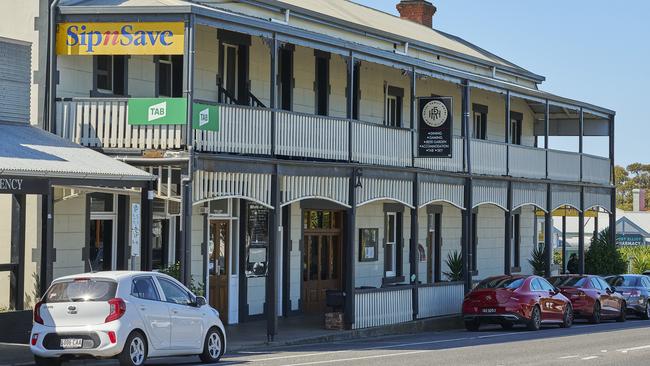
{"x":71,"y":342}
{"x":489,"y":310}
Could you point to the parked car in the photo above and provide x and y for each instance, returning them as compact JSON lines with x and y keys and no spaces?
{"x":510,"y":300}
{"x":592,"y":298}
{"x":636,"y":292}
{"x":130,"y":316}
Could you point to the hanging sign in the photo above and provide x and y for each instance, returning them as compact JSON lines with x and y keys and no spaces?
{"x":435,"y":125}
{"x":136,"y":38}
{"x":206,"y":117}
{"x":630,"y":239}
{"x":157,"y":111}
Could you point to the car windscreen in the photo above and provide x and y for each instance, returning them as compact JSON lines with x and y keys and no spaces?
{"x":623,"y":281}
{"x":81,"y":290}
{"x":567,"y":281}
{"x":507,"y":282}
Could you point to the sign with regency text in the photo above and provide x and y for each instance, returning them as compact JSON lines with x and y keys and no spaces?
{"x":435,"y":127}
{"x":136,"y":38}
{"x":27,"y":185}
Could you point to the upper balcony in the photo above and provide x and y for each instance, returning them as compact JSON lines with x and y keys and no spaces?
{"x":328,"y":107}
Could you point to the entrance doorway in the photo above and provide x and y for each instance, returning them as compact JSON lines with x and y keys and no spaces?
{"x":102,"y":244}
{"x":322,"y":261}
{"x":218,"y":266}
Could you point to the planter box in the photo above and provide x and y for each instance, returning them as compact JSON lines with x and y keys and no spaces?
{"x":334,"y":321}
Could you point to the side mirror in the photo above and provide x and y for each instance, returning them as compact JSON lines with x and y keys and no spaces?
{"x":611,"y":289}
{"x":200,"y":301}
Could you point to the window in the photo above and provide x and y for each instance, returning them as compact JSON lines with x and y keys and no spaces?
{"x":170,"y":76}
{"x":515,"y":128}
{"x":144,"y":288}
{"x":83,"y":289}
{"x":393,"y":113}
{"x":285,"y":66}
{"x":545,"y":285}
{"x":479,"y":130}
{"x":174,"y":293}
{"x":230,"y":70}
{"x":568,"y":281}
{"x":257,"y":240}
{"x":393,"y":245}
{"x":110,"y":75}
{"x":603,"y":284}
{"x":434,"y":266}
{"x":160,"y":244}
{"x":322,"y":86}
{"x":595,"y":284}
{"x":501,"y":282}
{"x":535,"y":285}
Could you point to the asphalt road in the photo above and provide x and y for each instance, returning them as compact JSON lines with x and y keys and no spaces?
{"x":609,"y":343}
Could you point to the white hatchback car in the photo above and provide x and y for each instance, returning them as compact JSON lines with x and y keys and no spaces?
{"x":126,"y":315}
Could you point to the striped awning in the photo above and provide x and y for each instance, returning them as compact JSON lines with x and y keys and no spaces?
{"x":441,"y":189}
{"x":219,"y":185}
{"x":524,"y":194}
{"x":598,"y":197}
{"x":296,"y":188}
{"x":490,"y":192}
{"x":377,"y":189}
{"x":563,"y":195}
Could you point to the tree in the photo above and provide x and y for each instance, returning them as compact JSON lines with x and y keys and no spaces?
{"x":455,"y":264}
{"x":603,"y":257}
{"x":537,"y":260}
{"x":635,"y":176}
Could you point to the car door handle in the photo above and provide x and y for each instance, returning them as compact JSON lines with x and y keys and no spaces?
{"x":175,"y":311}
{"x":143,"y":308}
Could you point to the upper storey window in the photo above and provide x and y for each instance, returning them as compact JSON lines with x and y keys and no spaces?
{"x":479,"y":130}
{"x":393,"y":103}
{"x":110,"y":75}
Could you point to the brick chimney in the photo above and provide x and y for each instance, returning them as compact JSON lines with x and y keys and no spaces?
{"x":638,"y":200}
{"x":419,"y":11}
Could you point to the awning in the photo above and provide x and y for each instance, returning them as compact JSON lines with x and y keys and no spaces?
{"x":27,"y":151}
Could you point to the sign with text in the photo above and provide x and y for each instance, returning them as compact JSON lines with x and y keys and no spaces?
{"x":205,"y":117}
{"x":630,"y":239}
{"x":18,"y":185}
{"x":133,"y":38}
{"x":157,"y":111}
{"x":435,"y":125}
{"x":135,"y":229}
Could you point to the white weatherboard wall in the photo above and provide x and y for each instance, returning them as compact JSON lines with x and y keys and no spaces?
{"x":372,"y":216}
{"x":69,"y":235}
{"x":5,"y":249}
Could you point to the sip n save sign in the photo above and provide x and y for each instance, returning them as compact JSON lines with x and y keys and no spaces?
{"x":171,"y":111}
{"x":137,"y":38}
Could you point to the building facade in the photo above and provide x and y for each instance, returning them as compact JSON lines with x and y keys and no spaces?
{"x":284,"y":136}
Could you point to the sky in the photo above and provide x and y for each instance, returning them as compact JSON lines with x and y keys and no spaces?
{"x":594,"y":51}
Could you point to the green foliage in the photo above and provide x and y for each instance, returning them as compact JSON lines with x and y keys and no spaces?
{"x":454,"y":262}
{"x":638,"y":257}
{"x":603,"y":257}
{"x":174,"y":270}
{"x":537,"y":260}
{"x":557,"y":257}
{"x":635,"y":176}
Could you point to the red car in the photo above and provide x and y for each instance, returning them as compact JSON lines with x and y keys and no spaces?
{"x":592,"y":298}
{"x":510,"y":300}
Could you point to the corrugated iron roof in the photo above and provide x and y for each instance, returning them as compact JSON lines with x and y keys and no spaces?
{"x":30,"y":151}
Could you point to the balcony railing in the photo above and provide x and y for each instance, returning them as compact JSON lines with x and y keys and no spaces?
{"x":103,"y":123}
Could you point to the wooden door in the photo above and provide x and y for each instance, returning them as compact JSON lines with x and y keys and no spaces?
{"x":218,"y":266}
{"x":322,"y":261}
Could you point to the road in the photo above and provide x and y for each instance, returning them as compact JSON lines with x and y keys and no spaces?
{"x":603,"y":344}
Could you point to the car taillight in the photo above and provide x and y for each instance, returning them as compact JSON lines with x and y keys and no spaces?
{"x":34,"y":339}
{"x":635,"y":293}
{"x":117,"y":309}
{"x":37,"y":313}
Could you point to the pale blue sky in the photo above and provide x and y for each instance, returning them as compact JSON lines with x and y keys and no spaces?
{"x":596,"y":51}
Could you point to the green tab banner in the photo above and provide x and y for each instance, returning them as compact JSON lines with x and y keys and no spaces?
{"x":205,"y":117}
{"x":157,"y":111}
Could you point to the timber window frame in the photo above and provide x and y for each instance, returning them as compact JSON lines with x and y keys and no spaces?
{"x":393,"y":106}
{"x":480,"y":124}
{"x":322,"y":88}
{"x":110,"y":76}
{"x":393,"y":243}
{"x":169,"y":76}
{"x":516,"y":125}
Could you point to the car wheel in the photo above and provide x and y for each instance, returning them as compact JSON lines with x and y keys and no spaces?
{"x":567,"y":318}
{"x":621,"y":315}
{"x":596,"y":315}
{"x":535,"y":321}
{"x":646,"y":314}
{"x":472,"y":325}
{"x":42,"y":361}
{"x":507,"y":325}
{"x":135,"y":350}
{"x":213,"y":346}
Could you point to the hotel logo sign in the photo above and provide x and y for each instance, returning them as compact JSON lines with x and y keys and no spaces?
{"x":435,"y":127}
{"x":136,"y":38}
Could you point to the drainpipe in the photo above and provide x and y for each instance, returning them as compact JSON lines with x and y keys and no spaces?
{"x":50,"y":89}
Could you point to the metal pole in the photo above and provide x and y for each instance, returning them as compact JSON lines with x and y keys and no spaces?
{"x":275,"y":223}
{"x":548,"y":240}
{"x":508,"y":132}
{"x":612,"y":215}
{"x":50,"y":91}
{"x":413,"y":249}
{"x":414,"y":126}
{"x":350,"y":104}
{"x":507,"y":253}
{"x":467,"y":222}
{"x":274,"y":90}
{"x":563,"y":243}
{"x":350,"y":258}
{"x":48,"y":256}
{"x":581,"y":233}
{"x":581,"y":131}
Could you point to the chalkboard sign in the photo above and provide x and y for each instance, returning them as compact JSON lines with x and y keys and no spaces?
{"x":257,"y":240}
{"x":435,"y":127}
